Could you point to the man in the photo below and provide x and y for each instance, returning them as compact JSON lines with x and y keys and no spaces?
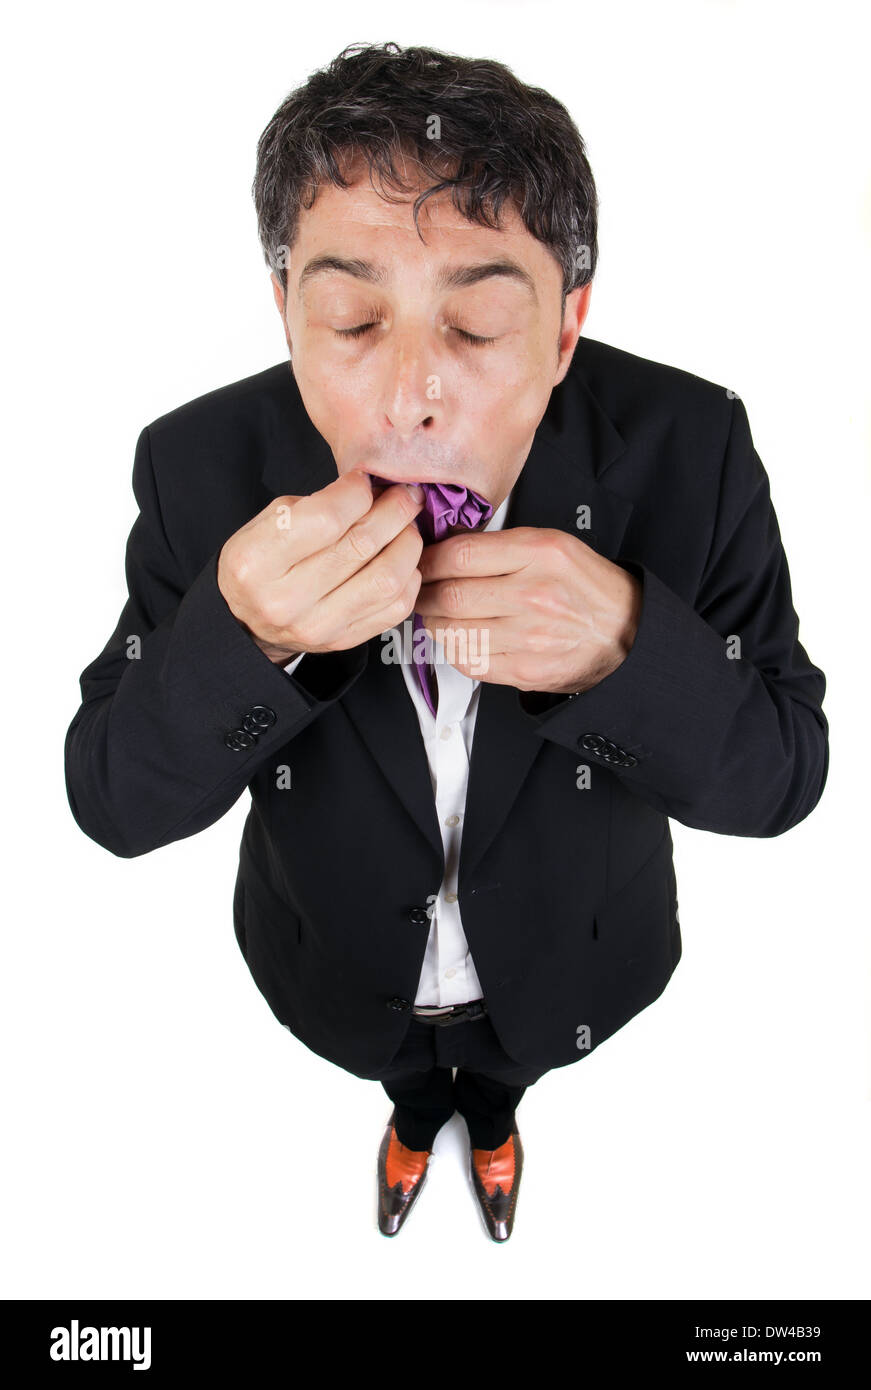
{"x":456,"y":872}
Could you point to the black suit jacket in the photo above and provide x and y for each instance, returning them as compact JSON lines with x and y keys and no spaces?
{"x":567,"y":894}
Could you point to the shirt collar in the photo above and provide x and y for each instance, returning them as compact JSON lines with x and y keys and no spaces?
{"x":497,"y":520}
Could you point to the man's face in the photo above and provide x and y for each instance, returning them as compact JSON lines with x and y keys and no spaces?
{"x":410,"y":397}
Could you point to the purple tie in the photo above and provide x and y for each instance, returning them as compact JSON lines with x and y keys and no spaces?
{"x":445,"y":505}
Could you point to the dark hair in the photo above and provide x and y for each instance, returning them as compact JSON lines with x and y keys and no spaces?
{"x":498,"y":139}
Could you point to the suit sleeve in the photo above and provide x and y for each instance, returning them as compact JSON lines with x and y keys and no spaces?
{"x":181,"y":708}
{"x":721,"y":735}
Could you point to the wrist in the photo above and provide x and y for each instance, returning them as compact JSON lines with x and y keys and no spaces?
{"x":279,"y":656}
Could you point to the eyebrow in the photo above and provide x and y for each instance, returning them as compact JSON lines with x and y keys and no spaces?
{"x":459,"y":277}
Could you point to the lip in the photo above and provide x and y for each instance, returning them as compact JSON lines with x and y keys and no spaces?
{"x":448,"y":482}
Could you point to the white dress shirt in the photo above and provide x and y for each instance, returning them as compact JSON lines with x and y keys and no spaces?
{"x":448,"y":974}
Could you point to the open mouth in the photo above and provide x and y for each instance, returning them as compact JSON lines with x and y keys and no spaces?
{"x":380,"y":482}
{"x":447,"y":507}
{"x":384,"y":481}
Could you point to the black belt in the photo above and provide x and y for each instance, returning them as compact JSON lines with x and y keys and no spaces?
{"x":450,"y":1013}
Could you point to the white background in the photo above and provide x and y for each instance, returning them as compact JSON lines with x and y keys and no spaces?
{"x":164,"y":1136}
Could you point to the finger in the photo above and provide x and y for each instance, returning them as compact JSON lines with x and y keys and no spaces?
{"x":475,"y":650}
{"x":379,"y":620}
{"x":291,"y":529}
{"x":517,"y":634}
{"x":481,"y":553}
{"x":326,"y":571}
{"x":499,"y":636}
{"x":481,"y":665}
{"x":375,"y":598}
{"x":391,"y":512}
{"x":496,"y":652}
{"x":499,"y":597}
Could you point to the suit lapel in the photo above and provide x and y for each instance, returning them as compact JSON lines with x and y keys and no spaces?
{"x":299,"y":462}
{"x":574,"y":443}
{"x":573,"y":446}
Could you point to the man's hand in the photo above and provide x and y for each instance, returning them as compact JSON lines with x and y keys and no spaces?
{"x":326,"y":572}
{"x":559,"y":616}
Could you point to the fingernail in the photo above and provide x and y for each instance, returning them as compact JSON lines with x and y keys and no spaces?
{"x":416,"y":491}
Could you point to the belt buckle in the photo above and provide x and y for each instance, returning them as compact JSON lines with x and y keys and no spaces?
{"x":458,"y":1013}
{"x":464,"y":1013}
{"x":448,"y":1014}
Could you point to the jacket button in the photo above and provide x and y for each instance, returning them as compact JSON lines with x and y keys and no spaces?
{"x":630,"y":761}
{"x":238,"y":739}
{"x":610,"y":752}
{"x":418,"y":916}
{"x":591,"y":742}
{"x":258,"y":718}
{"x":400,"y":1005}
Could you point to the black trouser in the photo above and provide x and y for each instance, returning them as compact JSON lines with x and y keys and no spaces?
{"x":487,"y":1090}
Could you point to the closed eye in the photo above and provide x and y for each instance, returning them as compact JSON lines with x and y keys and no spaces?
{"x":473,"y":337}
{"x":362,"y":328}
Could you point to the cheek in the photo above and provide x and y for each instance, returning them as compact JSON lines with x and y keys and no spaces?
{"x":334,"y":400}
{"x":512,"y":405}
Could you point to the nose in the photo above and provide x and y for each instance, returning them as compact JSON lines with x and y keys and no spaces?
{"x":407,"y":420}
{"x":412,"y":386}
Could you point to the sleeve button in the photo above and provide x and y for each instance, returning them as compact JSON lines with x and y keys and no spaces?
{"x":258,"y":718}
{"x":239,"y":739}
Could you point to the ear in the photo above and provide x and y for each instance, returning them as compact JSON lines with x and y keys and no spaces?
{"x":279,"y":296}
{"x":577,"y":307}
{"x":278,"y":293}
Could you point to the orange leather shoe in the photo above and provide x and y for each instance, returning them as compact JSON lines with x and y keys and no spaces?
{"x":401,"y":1176}
{"x":495,"y":1175}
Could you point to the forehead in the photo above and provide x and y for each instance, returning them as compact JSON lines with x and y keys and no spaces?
{"x":358,"y":221}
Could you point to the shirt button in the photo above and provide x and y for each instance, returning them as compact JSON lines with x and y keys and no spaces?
{"x":450,"y":897}
{"x":452,"y":820}
{"x":446,"y":731}
{"x":449,"y":974}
